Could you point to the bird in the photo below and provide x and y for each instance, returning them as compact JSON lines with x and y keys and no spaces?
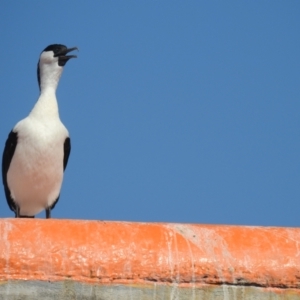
{"x":37,"y":149}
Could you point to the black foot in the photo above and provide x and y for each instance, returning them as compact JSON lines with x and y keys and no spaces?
{"x":17,"y":212}
{"x":48,"y":213}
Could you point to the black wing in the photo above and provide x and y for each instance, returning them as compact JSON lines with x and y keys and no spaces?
{"x":67,"y":150}
{"x":8,"y":153}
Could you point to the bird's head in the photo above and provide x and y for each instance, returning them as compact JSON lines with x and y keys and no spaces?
{"x":53,"y":59}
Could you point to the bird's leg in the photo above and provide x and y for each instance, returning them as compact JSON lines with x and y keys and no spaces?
{"x":17,"y":212}
{"x":48,"y":213}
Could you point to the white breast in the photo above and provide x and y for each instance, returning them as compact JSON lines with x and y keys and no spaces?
{"x":36,"y":171}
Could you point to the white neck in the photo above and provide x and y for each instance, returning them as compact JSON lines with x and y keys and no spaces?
{"x":46,"y":106}
{"x":49,"y":76}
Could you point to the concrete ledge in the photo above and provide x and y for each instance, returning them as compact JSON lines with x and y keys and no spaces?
{"x":43,"y":259}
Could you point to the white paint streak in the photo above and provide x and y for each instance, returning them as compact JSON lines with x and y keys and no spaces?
{"x":154,"y":292}
{"x":174,"y":290}
{"x":7,"y":229}
{"x":210,"y":241}
{"x":193,"y":270}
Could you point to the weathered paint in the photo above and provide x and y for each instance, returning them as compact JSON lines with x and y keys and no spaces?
{"x":147,"y":261}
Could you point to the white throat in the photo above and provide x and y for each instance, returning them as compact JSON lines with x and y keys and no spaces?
{"x":49,"y":74}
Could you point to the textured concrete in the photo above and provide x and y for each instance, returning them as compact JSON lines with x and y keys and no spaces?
{"x":68,"y":289}
{"x":64,"y":259}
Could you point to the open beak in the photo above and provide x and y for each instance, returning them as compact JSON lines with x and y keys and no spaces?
{"x":63,"y":58}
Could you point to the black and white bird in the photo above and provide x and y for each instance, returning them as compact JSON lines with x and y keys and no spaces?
{"x":37,"y":149}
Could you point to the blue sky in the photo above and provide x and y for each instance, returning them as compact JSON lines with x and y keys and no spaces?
{"x":179,"y":111}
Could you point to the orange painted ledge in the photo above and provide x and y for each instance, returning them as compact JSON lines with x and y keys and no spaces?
{"x":140,"y":253}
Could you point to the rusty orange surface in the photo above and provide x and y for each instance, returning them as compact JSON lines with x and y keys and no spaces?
{"x":116,"y":252}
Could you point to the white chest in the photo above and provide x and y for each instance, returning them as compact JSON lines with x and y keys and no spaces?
{"x":36,"y":171}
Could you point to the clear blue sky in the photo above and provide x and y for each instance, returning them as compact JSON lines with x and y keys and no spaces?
{"x":179,"y":111}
